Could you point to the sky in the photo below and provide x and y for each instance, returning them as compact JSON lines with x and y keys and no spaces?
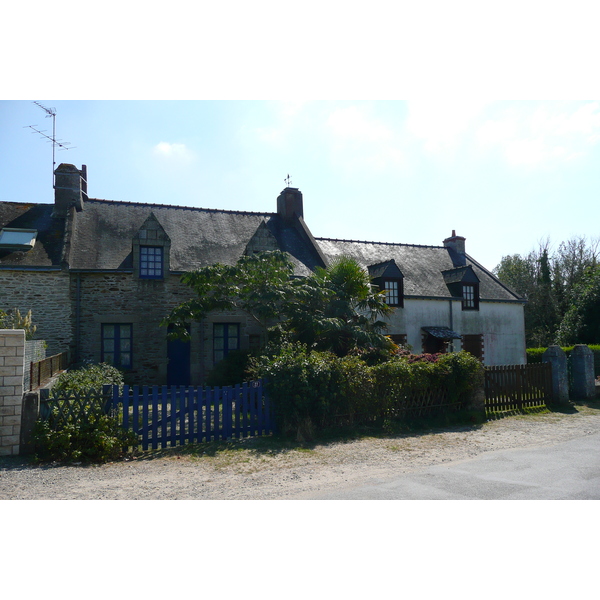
{"x":400,"y":123}
{"x":503,"y":174}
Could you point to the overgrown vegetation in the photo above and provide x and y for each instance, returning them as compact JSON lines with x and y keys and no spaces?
{"x":313,"y":390}
{"x":90,"y":434}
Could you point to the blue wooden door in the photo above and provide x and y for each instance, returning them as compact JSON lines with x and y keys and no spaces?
{"x":178,"y":367}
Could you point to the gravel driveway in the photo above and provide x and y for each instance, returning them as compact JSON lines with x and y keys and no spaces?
{"x":249,"y":473}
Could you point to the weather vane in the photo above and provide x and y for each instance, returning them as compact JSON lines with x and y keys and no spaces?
{"x":288,"y":180}
{"x":51,"y":112}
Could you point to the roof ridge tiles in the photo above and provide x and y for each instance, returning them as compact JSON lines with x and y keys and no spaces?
{"x":198,"y":208}
{"x":379,"y":243}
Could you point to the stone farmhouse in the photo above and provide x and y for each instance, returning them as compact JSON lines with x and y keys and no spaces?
{"x":100,"y":275}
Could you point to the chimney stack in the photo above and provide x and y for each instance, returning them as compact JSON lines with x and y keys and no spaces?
{"x":289,"y":203}
{"x":70,"y":188}
{"x":456,"y":249}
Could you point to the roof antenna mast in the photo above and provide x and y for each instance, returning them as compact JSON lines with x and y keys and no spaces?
{"x":51,"y":112}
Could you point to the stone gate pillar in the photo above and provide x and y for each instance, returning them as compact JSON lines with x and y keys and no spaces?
{"x":12,"y":352}
{"x":582,"y":370}
{"x":560,"y":376}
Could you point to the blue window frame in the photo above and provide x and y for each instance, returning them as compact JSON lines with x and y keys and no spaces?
{"x":226,"y":338}
{"x":117,"y":344}
{"x":151,"y":262}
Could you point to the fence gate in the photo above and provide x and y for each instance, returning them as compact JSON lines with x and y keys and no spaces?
{"x":171,"y":416}
{"x":515,"y":387}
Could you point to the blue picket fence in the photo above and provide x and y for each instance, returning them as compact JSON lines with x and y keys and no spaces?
{"x":165,"y":416}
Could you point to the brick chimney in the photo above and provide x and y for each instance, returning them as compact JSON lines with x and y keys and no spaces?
{"x":456,"y":249}
{"x":289,"y":203}
{"x":70,"y":188}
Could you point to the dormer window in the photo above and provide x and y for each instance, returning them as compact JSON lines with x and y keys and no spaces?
{"x":463,"y":284}
{"x":470,"y":296}
{"x":389,"y":279}
{"x":151,"y":250}
{"x":151,"y":262}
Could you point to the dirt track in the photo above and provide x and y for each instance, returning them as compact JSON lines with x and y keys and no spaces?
{"x":249,"y":473}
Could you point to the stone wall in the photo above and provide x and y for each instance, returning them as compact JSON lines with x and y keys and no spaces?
{"x":12,"y":351}
{"x":112,"y":298}
{"x":46,"y":294}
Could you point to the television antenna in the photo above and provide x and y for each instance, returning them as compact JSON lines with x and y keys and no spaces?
{"x":51,"y":112}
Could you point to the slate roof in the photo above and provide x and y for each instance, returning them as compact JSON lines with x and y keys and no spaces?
{"x":102,"y":237}
{"x":48,"y":248}
{"x":421,"y":266}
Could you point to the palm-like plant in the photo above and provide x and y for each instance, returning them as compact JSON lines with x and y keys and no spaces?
{"x":338,"y":309}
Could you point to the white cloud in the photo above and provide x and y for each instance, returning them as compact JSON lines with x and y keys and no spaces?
{"x":358,"y":140}
{"x":542,"y":134}
{"x":174,"y":152}
{"x":441,"y":124}
{"x":351,"y":123}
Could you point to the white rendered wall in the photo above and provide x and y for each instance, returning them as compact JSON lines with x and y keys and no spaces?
{"x":501,"y":323}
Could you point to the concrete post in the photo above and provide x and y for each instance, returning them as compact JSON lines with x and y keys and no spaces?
{"x":560,"y":376}
{"x":582,"y":370}
{"x":12,"y":352}
{"x":30,"y":412}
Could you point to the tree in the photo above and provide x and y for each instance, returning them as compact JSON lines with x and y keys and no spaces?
{"x":581,"y":323}
{"x":338,"y":309}
{"x":548,"y":280}
{"x":570,"y":262}
{"x":259,"y":285}
{"x":333,"y":309}
{"x":530,"y":278}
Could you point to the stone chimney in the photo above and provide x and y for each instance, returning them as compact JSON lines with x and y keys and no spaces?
{"x":456,"y":249}
{"x":70,"y":188}
{"x":289,"y":203}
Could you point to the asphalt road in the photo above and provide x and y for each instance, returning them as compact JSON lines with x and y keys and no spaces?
{"x":565,"y":471}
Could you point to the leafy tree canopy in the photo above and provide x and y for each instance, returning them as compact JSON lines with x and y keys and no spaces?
{"x":548,"y":279}
{"x":333,"y":309}
{"x":338,"y":309}
{"x":581,"y":323}
{"x":259,"y":285}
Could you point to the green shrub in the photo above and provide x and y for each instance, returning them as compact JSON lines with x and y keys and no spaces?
{"x":458,"y":374}
{"x":88,"y":377}
{"x":95,"y":437}
{"x":99,"y":439}
{"x":312,"y":390}
{"x":534,"y":355}
{"x":231,"y":370}
{"x":299,"y":386}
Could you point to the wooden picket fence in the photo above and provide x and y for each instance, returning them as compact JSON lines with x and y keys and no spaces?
{"x":170,"y":416}
{"x":515,"y":387}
